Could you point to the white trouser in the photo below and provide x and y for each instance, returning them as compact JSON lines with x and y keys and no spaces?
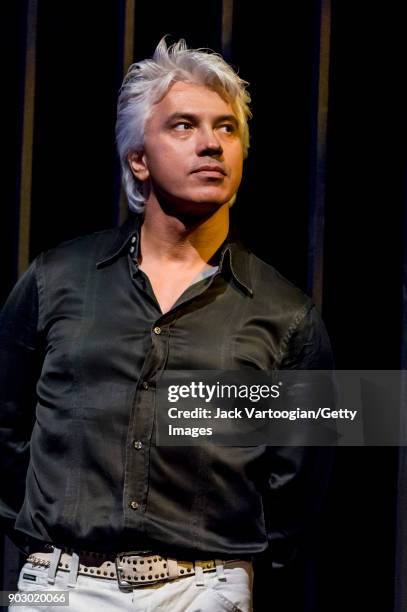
{"x":228,"y":593}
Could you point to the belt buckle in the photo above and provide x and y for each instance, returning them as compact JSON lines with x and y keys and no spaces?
{"x":121,"y":573}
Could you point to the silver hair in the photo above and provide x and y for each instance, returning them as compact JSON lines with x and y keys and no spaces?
{"x":147,"y":82}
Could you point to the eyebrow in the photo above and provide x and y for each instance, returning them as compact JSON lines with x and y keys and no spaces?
{"x":195,"y":118}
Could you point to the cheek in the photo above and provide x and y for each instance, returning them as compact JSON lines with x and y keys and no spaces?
{"x":166,"y":163}
{"x":235,"y":155}
{"x":237,"y":166}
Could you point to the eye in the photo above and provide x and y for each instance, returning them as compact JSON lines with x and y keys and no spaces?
{"x":228,"y":128}
{"x":182,"y":126}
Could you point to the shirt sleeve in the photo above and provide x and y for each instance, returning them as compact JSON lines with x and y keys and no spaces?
{"x":19,"y":369}
{"x":298,"y":476}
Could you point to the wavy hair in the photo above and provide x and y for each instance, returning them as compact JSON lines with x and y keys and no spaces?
{"x":147,"y":82}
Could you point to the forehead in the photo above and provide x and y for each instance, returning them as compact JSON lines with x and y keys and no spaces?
{"x":192,"y":98}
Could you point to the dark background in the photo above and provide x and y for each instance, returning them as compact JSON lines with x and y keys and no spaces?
{"x":79,"y":59}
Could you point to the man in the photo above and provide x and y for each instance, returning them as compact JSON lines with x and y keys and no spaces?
{"x":89,"y":330}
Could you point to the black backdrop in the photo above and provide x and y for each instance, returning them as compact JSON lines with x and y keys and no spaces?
{"x":66,"y":182}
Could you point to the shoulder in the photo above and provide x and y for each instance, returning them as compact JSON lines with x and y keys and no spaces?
{"x":76,"y":256}
{"x":90,"y":246}
{"x":72,"y":263}
{"x":305,"y":342}
{"x":290,"y":314}
{"x":272,"y":288}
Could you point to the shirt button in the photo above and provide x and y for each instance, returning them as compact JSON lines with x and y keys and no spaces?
{"x":157,"y":330}
{"x":134,"y":505}
{"x":145,"y":385}
{"x":133,"y":240}
{"x":137,"y":444}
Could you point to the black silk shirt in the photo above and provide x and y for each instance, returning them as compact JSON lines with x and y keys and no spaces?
{"x":80,"y":358}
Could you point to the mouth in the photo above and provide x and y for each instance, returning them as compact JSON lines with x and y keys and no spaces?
{"x":210,"y":170}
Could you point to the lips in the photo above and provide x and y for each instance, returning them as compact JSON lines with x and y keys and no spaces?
{"x":210,"y":168}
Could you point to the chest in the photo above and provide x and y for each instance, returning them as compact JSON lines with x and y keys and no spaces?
{"x":112,"y":335}
{"x":168,"y":285}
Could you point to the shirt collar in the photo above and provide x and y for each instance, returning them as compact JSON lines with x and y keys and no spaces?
{"x":127,"y":237}
{"x":236,"y":257}
{"x":233,"y":254}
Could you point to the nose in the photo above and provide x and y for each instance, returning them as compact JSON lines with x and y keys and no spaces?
{"x":208,"y":143}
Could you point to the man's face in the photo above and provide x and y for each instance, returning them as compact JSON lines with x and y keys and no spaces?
{"x":193,"y":155}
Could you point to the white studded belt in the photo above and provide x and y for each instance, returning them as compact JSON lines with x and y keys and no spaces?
{"x":129,"y":569}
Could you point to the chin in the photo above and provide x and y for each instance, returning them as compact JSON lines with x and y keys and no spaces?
{"x":210,"y":200}
{"x":206,"y":204}
{"x":194,"y":204}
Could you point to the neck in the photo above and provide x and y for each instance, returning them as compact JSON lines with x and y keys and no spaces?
{"x":167,"y":238}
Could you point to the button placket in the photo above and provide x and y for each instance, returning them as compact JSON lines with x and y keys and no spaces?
{"x":142,"y":426}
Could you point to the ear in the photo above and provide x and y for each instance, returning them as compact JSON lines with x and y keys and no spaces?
{"x":138,"y":165}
